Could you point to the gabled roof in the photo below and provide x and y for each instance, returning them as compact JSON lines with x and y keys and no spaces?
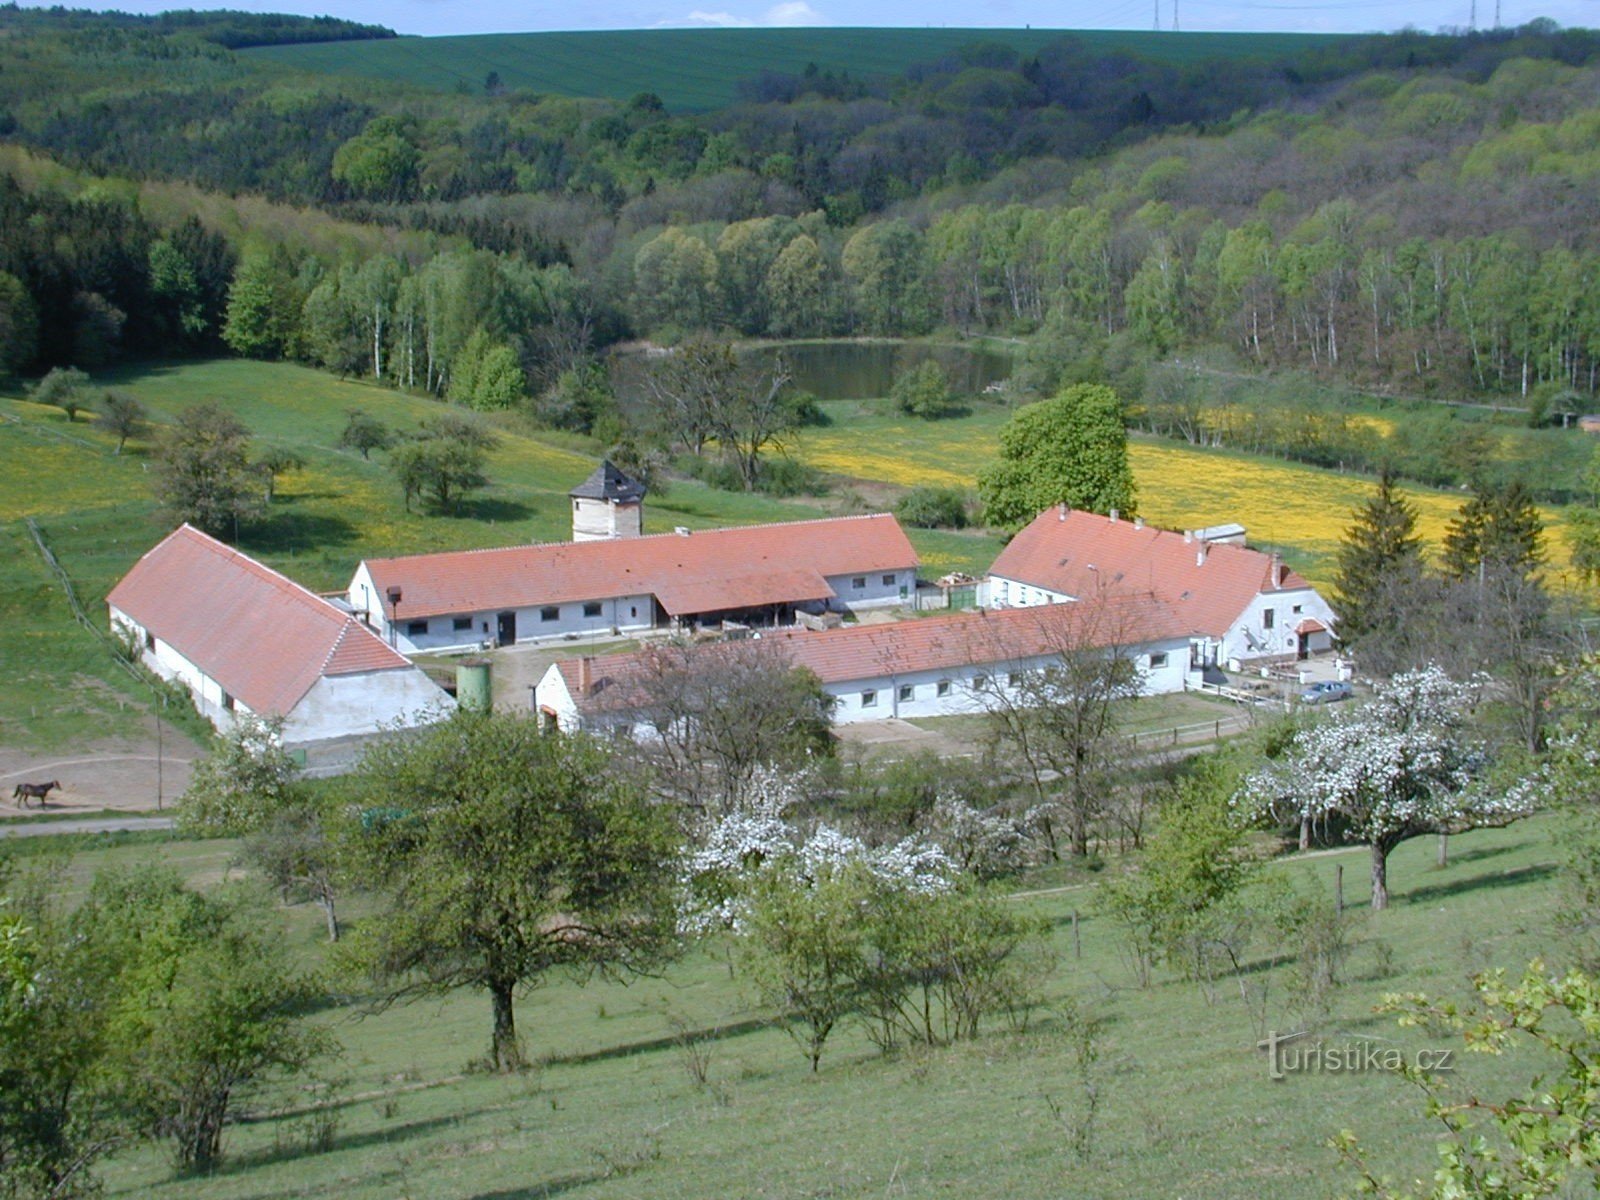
{"x":699,"y":571}
{"x":1083,"y":554}
{"x":607,"y":482}
{"x":900,"y":648}
{"x":262,"y":637}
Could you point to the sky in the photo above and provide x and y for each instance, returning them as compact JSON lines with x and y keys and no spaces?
{"x":438,"y":17}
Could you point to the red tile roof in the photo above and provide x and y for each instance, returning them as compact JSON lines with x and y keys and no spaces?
{"x":908,"y":647}
{"x":1083,"y":554}
{"x":262,"y":637}
{"x":769,"y":563}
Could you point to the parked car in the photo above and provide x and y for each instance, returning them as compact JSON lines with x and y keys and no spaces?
{"x":1326,"y":692}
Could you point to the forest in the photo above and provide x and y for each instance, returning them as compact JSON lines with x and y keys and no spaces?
{"x":1406,"y":215}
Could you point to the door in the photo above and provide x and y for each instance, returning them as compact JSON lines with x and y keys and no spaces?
{"x":507,"y":632}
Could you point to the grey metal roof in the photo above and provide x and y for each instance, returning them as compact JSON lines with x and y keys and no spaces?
{"x":609,"y":483}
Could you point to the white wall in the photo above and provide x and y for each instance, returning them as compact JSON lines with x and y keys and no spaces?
{"x":881,"y":588}
{"x":1248,"y":636}
{"x":963,"y":695}
{"x":210,"y":699}
{"x":628,"y":613}
{"x":339,"y":706}
{"x":1011,"y":593}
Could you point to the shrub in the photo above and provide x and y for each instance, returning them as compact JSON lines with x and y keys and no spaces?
{"x":933,"y":508}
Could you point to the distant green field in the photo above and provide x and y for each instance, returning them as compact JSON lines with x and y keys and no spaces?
{"x":697,"y":68}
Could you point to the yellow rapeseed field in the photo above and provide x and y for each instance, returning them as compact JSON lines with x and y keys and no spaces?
{"x":1300,"y":508}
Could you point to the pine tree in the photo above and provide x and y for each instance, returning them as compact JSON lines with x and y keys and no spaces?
{"x":1497,"y":528}
{"x":1380,"y":546}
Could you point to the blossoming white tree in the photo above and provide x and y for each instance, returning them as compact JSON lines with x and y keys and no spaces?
{"x":1401,"y":765}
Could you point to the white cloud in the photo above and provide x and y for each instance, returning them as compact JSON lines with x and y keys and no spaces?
{"x":793,"y":12}
{"x":785,"y":13}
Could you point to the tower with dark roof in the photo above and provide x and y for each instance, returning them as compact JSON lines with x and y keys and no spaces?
{"x":607,"y":505}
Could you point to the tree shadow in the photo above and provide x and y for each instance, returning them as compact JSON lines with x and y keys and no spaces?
{"x":665,"y":1042}
{"x":1512,"y":878}
{"x":492,"y":508}
{"x":289,"y":1150}
{"x":555,"y":1187}
{"x":1479,"y":853}
{"x":297,"y":531}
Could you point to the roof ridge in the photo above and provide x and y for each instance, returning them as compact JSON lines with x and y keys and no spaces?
{"x":644,"y":538}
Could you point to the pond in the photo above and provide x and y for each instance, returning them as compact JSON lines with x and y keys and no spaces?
{"x":849,"y":370}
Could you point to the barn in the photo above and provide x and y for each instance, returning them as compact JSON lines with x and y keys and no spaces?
{"x":244,"y":639}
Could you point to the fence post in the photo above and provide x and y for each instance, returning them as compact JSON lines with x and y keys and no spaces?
{"x":1077,"y":942}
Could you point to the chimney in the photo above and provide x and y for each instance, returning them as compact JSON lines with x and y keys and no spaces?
{"x":1138,"y":522}
{"x":1113,"y":516}
{"x":585,"y":674}
{"x":681,"y":530}
{"x":1200,"y":554}
{"x":1188,"y":536}
{"x":1061,"y":512}
{"x":1277,"y":571}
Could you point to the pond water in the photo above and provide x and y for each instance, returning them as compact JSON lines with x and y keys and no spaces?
{"x":850,"y":370}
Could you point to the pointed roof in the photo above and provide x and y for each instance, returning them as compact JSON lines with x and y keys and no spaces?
{"x":1084,"y":554}
{"x":261,"y":636}
{"x":607,"y":482}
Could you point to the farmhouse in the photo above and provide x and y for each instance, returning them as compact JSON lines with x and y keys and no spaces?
{"x":244,"y":639}
{"x":1239,"y":604}
{"x":753,"y":574}
{"x":936,"y":666}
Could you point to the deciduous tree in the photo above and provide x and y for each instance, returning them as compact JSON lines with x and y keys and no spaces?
{"x":203,"y":471}
{"x":1072,"y":449}
{"x":504,"y":854}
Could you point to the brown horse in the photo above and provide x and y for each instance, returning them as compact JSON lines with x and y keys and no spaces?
{"x":24,"y":792}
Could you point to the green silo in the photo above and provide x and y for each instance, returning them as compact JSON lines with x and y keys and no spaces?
{"x":472,"y":684}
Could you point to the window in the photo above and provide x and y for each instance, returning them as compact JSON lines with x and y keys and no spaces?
{"x":416,"y":628}
{"x":907,"y":692}
{"x":460,"y":623}
{"x":942,"y":688}
{"x":888,"y":581}
{"x":592,"y":608}
{"x":1268,"y":618}
{"x":869,"y":699}
{"x":227,"y":702}
{"x":1158,"y":660}
{"x":979,"y":681}
{"x":859,"y":582}
{"x":1298,"y":609}
{"x":1014,"y":678}
{"x":149,"y":640}
{"x":633,"y":610}
{"x":550,"y":613}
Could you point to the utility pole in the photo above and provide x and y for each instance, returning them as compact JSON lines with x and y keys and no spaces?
{"x":1157,"y":25}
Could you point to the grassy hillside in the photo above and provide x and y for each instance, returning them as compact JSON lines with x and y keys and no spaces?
{"x":694,"y":69}
{"x":95,"y":510}
{"x":1185,"y":1104}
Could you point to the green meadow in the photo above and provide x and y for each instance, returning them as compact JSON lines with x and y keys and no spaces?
{"x":94,"y":509}
{"x":1183,"y":1103}
{"x":697,"y":69}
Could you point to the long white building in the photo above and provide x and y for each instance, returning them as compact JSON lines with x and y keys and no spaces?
{"x":931,"y":667}
{"x":244,"y":639}
{"x":754,"y":574}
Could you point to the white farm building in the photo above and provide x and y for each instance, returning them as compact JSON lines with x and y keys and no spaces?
{"x":244,"y":639}
{"x":935,"y":666}
{"x":753,"y":574}
{"x":1239,"y":605}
